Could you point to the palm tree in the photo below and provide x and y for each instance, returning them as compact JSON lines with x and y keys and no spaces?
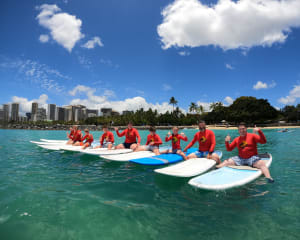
{"x":200,"y":109}
{"x":193,"y":107}
{"x":213,"y":106}
{"x":173,"y":101}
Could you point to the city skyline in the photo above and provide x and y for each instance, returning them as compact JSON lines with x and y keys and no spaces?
{"x":139,"y":54}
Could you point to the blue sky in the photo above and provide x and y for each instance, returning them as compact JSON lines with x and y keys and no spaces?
{"x":139,"y":53}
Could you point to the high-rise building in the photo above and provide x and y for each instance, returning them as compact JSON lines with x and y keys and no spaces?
{"x":92,"y":111}
{"x":61,"y":113}
{"x":1,"y":115}
{"x":28,"y":115}
{"x":41,"y":114}
{"x":6,"y":112}
{"x":34,"y":107}
{"x":15,"y":112}
{"x":106,"y":112}
{"x":51,"y":112}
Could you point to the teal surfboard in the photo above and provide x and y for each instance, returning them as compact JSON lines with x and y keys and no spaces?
{"x":229,"y":177}
{"x":162,"y":159}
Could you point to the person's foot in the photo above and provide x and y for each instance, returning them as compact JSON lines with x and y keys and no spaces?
{"x":270,"y":180}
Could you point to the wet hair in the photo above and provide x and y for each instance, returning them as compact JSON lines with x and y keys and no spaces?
{"x":201,"y":121}
{"x":86,"y":130}
{"x":152,"y":129}
{"x":130,"y":122}
{"x":175,"y":128}
{"x":242,"y":124}
{"x":104,"y":126}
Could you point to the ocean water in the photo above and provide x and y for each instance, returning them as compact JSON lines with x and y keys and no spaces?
{"x":60,"y":195}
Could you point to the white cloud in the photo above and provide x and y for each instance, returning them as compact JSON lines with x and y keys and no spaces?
{"x":109,"y":63}
{"x":184,"y":53}
{"x":25,"y":104}
{"x":38,"y":74}
{"x":93,"y":43}
{"x":132,"y":104}
{"x":205,"y":105}
{"x":228,"y":66}
{"x":261,"y":85}
{"x":292,"y":97}
{"x":44,"y":38}
{"x":167,"y":87}
{"x":228,"y":100}
{"x":64,"y":28}
{"x":228,"y":24}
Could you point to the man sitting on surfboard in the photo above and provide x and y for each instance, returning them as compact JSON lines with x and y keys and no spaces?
{"x":247,"y":147}
{"x":175,"y":137}
{"x":70,"y":135}
{"x":132,"y":138}
{"x":107,"y":139}
{"x":77,"y":135}
{"x":86,"y":141}
{"x":153,"y":142}
{"x":207,"y":142}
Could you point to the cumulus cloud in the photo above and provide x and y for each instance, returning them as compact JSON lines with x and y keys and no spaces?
{"x":25,"y":104}
{"x":205,"y":105}
{"x":132,"y":104}
{"x":44,"y":38}
{"x":292,"y":97}
{"x":229,"y":66}
{"x":228,"y":100}
{"x":93,"y":43}
{"x":228,"y":24}
{"x":261,"y":85}
{"x":64,"y":28}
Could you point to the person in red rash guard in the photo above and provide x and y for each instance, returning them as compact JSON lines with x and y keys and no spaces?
{"x":107,"y":139}
{"x":153,"y":142}
{"x":175,"y":137}
{"x":247,"y":147}
{"x":132,"y":138}
{"x":77,"y":135}
{"x":86,"y":141}
{"x":70,"y":135}
{"x":207,"y":142}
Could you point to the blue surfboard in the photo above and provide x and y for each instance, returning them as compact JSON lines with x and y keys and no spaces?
{"x":162,"y":159}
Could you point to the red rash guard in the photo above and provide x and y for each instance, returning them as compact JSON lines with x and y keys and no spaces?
{"x":176,"y":140}
{"x":71,"y":135}
{"x":107,"y":137}
{"x":88,"y":138}
{"x":154,"y":138}
{"x":206,"y":140}
{"x":130,"y":135}
{"x":77,"y":136}
{"x":247,"y":145}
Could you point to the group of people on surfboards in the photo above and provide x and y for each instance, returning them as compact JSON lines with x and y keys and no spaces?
{"x":246,"y":144}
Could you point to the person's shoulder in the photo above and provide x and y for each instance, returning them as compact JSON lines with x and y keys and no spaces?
{"x":210,"y":131}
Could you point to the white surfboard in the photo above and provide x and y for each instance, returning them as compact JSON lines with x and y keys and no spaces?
{"x":229,"y":177}
{"x":128,"y":156}
{"x":47,"y":143}
{"x":53,"y":141}
{"x":50,"y":147}
{"x":114,"y":152}
{"x":189,"y":168}
{"x":71,"y":148}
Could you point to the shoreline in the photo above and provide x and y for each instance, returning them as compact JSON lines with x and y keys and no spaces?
{"x":98,"y":128}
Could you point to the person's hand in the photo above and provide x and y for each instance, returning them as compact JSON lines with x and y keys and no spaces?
{"x":151,"y":143}
{"x":184,"y":150}
{"x":209,"y":156}
{"x":138,"y":144}
{"x":182,"y":134}
{"x":169,"y":133}
{"x":228,"y":138}
{"x":116,"y":129}
{"x":255,"y":129}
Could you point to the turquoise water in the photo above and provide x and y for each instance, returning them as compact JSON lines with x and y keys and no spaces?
{"x":59,"y":195}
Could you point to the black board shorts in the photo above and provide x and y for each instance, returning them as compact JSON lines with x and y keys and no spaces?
{"x":128,"y":145}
